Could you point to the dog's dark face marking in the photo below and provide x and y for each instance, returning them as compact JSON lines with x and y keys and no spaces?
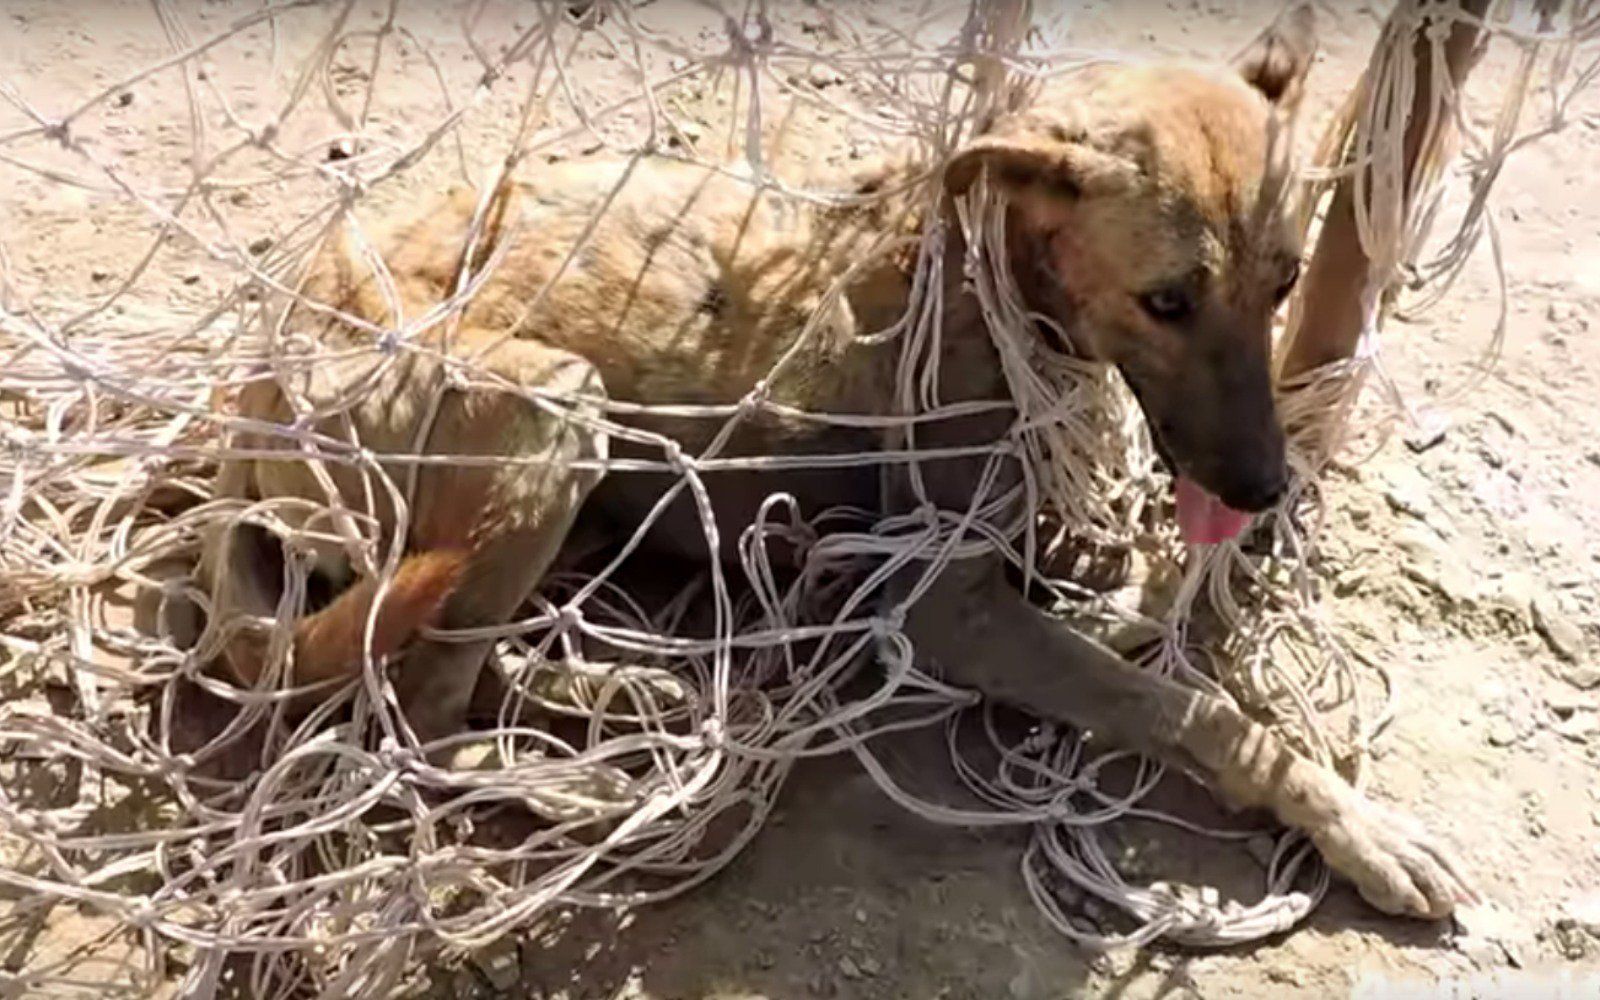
{"x":1145,"y":221}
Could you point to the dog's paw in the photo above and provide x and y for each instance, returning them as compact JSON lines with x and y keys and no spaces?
{"x":1397,"y":866}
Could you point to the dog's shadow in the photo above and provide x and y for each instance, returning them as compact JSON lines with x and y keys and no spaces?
{"x":845,"y":893}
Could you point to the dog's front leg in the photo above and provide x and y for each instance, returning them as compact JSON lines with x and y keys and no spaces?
{"x":974,"y":627}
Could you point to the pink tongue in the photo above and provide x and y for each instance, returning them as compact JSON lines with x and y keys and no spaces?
{"x":1203,"y":519}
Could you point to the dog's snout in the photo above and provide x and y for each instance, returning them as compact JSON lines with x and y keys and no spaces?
{"x":1257,"y":493}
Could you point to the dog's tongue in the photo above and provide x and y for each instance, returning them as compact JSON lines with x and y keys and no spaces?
{"x":1203,"y":519}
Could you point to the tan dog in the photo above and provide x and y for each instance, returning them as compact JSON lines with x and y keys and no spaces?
{"x":1138,"y":225}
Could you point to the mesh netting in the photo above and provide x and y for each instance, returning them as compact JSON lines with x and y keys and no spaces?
{"x":341,"y":855}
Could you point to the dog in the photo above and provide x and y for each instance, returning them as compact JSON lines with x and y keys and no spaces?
{"x":1139,"y":226}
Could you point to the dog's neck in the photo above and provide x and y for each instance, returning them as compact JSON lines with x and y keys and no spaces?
{"x":897,"y":206}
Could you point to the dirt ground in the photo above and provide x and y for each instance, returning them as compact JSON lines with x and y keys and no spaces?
{"x":1471,"y":568}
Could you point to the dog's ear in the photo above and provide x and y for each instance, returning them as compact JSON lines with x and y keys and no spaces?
{"x":1050,"y":164}
{"x":1277,"y":62}
{"x":1013,"y":164}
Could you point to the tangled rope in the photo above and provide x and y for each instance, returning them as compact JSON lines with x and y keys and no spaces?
{"x":345,"y":857}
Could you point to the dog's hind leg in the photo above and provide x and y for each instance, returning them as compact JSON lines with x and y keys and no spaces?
{"x":985,"y":636}
{"x":518,"y":511}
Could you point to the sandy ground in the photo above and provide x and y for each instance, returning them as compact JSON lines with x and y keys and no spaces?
{"x":1469,"y":569}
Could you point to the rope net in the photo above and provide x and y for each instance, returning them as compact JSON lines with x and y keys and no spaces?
{"x":338,"y":856}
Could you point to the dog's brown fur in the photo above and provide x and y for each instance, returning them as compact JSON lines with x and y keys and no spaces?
{"x":1142,"y":224}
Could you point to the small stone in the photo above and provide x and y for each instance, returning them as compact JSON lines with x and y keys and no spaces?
{"x":1583,"y":912}
{"x":483,"y":755}
{"x":1578,"y":927}
{"x":1432,"y":564}
{"x":1502,"y":733}
{"x":1513,"y":594}
{"x":1578,"y":727}
{"x":1561,"y":633}
{"x":1480,"y":951}
{"x":824,"y":76}
{"x":123,"y":98}
{"x":500,"y":964}
{"x":1351,"y":581}
{"x":191,"y":279}
{"x":1408,"y":500}
{"x":1582,"y":676}
{"x":870,"y":965}
{"x":1566,"y":705}
{"x":1489,"y":934}
{"x":1429,"y":433}
{"x":1572,"y":942}
{"x":848,"y":968}
{"x":260,"y":245}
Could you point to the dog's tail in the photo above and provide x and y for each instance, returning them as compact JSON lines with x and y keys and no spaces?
{"x":329,"y":644}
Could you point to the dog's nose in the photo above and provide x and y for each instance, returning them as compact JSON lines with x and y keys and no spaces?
{"x":1253,"y":494}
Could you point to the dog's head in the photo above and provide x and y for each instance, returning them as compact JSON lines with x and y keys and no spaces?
{"x":1146,"y":222}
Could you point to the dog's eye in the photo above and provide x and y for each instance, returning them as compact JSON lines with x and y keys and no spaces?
{"x":1167,"y":305}
{"x":1283,"y":290}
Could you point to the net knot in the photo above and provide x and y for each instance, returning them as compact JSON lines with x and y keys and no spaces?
{"x":747,"y":41}
{"x":755,"y":399}
{"x":681,"y":463}
{"x":143,"y":916}
{"x":18,"y":444}
{"x":888,"y":623}
{"x":394,"y":757}
{"x":1041,"y":739}
{"x":712,"y":734}
{"x":569,"y":619}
